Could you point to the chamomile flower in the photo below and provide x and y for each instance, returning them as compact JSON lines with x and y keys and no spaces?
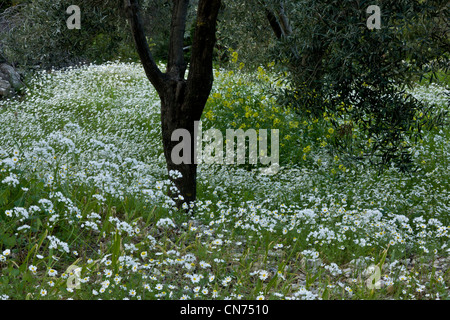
{"x":263,"y":274}
{"x":204,"y":264}
{"x":52,"y":272}
{"x":195,"y":278}
{"x":33,"y":269}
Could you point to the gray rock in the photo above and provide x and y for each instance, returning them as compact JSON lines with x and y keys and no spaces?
{"x":5,"y":88}
{"x":9,"y":80}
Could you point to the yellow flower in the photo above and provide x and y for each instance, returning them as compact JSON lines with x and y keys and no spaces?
{"x":209,"y":115}
{"x":234,"y":57}
{"x":330,"y":131}
{"x":293,"y":124}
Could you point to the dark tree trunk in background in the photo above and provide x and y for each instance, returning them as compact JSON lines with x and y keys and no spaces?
{"x":282,"y":28}
{"x":182,"y":100}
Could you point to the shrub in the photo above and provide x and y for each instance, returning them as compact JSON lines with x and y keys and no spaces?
{"x":36,"y":33}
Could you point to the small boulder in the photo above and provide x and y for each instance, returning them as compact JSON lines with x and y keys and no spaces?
{"x":9,"y":80}
{"x":5,"y":88}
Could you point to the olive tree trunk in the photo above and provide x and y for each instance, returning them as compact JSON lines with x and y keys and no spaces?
{"x":182,"y":99}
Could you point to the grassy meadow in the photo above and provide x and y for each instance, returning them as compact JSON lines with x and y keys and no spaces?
{"x":84,"y":212}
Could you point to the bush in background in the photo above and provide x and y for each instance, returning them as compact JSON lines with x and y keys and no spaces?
{"x":34,"y":33}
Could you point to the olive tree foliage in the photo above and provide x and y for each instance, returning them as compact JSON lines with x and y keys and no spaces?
{"x":35,"y":33}
{"x":242,"y":26}
{"x":357,"y":76}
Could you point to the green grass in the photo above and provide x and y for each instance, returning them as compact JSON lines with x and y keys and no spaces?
{"x":83,"y":180}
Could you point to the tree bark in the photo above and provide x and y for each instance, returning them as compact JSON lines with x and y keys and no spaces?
{"x":276,"y":27}
{"x":182,"y":100}
{"x":172,"y":118}
{"x":306,"y":66}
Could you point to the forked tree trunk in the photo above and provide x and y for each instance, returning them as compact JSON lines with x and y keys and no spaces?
{"x":182,"y":100}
